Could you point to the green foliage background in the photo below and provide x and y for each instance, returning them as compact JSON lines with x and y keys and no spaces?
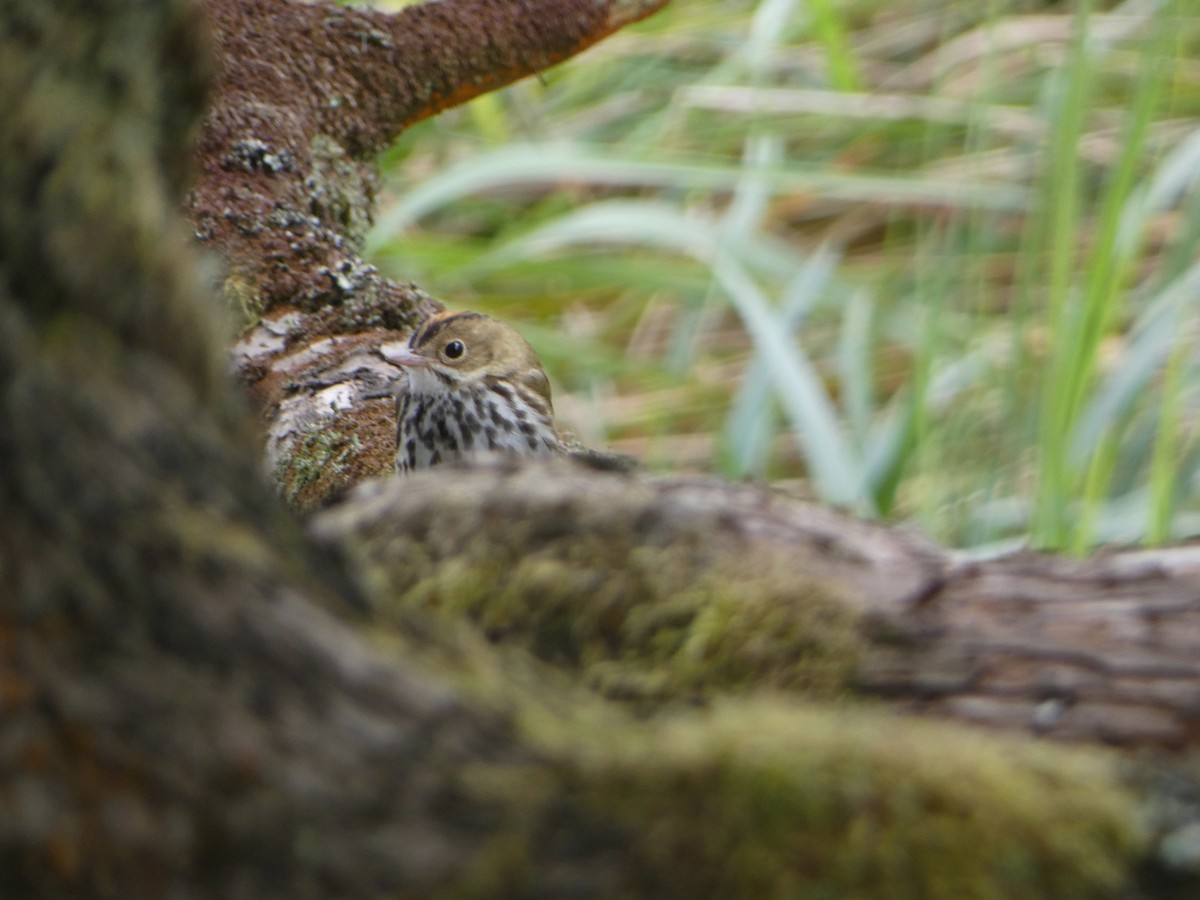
{"x":934,"y":261}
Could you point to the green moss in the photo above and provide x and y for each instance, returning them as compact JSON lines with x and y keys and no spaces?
{"x":644,"y":624}
{"x":636,"y":604}
{"x":773,"y":800}
{"x":319,"y":453}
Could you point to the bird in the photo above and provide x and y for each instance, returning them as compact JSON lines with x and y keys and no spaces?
{"x":474,"y":385}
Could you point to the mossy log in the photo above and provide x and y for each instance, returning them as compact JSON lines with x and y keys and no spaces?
{"x":198,"y":700}
{"x":667,"y":588}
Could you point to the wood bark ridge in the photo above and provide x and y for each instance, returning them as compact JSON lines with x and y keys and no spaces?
{"x":198,"y":700}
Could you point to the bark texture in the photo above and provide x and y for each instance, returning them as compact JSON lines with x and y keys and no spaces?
{"x":199,"y":701}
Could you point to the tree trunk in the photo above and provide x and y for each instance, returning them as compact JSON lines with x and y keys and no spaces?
{"x":200,"y":701}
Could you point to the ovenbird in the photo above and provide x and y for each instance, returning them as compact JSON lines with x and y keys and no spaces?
{"x":474,"y":384}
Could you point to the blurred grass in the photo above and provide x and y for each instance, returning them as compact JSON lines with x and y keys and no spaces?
{"x":932,"y":261}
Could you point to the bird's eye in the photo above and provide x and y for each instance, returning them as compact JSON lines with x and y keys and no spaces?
{"x":454,"y":350}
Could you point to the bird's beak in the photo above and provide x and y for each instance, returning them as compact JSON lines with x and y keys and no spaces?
{"x":401,"y":355}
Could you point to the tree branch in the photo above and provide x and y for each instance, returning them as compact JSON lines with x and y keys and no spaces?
{"x":305,"y":96}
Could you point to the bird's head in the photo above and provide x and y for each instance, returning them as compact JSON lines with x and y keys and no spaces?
{"x":453,"y":350}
